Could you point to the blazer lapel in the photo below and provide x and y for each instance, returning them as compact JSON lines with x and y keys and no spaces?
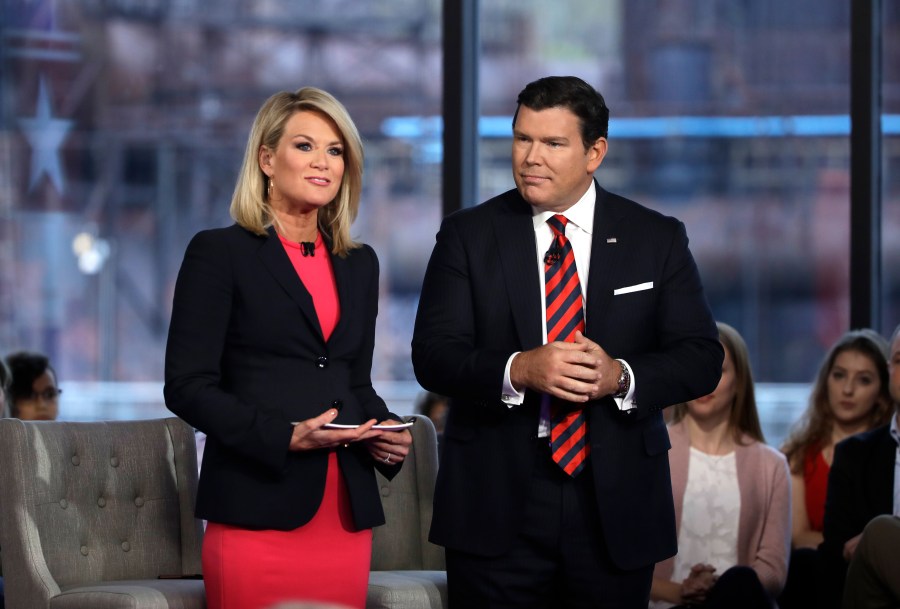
{"x":514,"y":232}
{"x":276,"y":261}
{"x":342,"y":278}
{"x":606,"y":254}
{"x":882,"y":475}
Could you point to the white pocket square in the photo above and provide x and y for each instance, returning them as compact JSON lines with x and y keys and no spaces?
{"x":634,"y":288}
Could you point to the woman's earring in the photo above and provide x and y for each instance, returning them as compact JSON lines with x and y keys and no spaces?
{"x":269,"y":189}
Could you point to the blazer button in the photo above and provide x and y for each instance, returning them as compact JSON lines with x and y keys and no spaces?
{"x":337,"y":405}
{"x":322,"y":362}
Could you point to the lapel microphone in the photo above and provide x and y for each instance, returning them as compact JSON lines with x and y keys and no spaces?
{"x":308,"y":248}
{"x":554,"y":254}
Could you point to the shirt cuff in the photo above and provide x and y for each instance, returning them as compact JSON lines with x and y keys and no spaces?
{"x":511,"y":397}
{"x":626,"y":403}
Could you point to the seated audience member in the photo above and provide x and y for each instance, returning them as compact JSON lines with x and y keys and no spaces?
{"x":873,"y":577}
{"x":33,"y":394}
{"x":732,"y":498}
{"x":860,"y":487}
{"x":850,"y":395}
{"x":5,"y":380}
{"x":433,"y":406}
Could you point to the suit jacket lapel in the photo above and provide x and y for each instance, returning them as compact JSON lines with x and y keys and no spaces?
{"x":342,"y":278}
{"x":605,"y":256}
{"x":514,"y":232}
{"x":276,"y":261}
{"x":882,"y":475}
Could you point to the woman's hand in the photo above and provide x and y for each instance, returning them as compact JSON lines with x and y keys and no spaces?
{"x":309,"y":435}
{"x":696,"y":585}
{"x":391,"y":446}
{"x":850,"y":547}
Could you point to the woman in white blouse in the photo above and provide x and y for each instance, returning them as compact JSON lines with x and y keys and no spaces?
{"x":732,"y":498}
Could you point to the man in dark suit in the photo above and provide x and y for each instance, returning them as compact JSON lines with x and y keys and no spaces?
{"x":861,"y":486}
{"x":521,"y":530}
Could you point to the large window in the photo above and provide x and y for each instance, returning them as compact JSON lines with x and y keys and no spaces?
{"x":890,"y":225}
{"x":122,"y":125}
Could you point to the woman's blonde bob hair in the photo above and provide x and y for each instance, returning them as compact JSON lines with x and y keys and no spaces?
{"x":250,"y":202}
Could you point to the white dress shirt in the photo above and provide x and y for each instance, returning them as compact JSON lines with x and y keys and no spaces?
{"x":579,"y":232}
{"x":895,"y":433}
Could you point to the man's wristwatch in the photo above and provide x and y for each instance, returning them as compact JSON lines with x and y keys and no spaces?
{"x":624,"y":381}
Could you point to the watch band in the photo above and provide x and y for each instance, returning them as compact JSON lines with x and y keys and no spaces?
{"x":624,"y":382}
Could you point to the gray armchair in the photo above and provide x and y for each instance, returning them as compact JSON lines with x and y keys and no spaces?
{"x":92,"y":513}
{"x":408,"y":571}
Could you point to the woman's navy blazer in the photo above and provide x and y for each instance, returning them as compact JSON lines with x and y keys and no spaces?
{"x":246,"y":356}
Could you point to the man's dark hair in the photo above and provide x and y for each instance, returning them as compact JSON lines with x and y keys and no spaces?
{"x":575,"y":95}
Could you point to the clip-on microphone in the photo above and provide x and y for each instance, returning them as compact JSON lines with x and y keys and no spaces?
{"x":554,"y":254}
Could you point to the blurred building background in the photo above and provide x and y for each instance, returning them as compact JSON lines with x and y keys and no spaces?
{"x":122,"y":124}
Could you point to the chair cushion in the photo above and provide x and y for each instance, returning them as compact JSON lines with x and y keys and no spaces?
{"x":128,"y":594}
{"x":407,"y":590}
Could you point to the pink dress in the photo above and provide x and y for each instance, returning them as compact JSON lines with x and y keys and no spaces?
{"x":324,"y":560}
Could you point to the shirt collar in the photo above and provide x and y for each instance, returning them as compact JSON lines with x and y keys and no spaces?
{"x":895,"y":432}
{"x":581,"y":214}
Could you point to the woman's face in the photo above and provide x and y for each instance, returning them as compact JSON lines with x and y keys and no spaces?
{"x":718,"y":403}
{"x":307,"y":166}
{"x":43,"y":403}
{"x":853,"y":387}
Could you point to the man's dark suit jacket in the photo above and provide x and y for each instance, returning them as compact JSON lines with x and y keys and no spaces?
{"x":246,"y":356}
{"x":860,"y":487}
{"x":480,"y":303}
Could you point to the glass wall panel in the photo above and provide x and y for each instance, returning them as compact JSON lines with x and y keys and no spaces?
{"x":890,"y":225}
{"x":733,"y":117}
{"x":122,"y":125}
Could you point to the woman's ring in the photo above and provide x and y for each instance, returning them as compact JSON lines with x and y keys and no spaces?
{"x":388,"y":458}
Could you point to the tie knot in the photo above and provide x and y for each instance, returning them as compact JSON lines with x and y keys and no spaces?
{"x":558,"y":224}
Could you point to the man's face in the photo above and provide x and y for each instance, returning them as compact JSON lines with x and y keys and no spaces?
{"x":894,"y":368}
{"x":551,"y":168}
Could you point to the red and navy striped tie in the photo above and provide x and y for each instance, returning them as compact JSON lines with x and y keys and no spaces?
{"x":565,"y":315}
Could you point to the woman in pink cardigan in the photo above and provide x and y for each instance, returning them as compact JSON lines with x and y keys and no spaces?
{"x":732,"y":498}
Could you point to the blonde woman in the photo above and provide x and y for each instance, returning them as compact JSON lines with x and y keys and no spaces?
{"x":271,"y":340}
{"x":732,"y":498}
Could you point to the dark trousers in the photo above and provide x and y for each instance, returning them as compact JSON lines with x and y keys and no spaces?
{"x":804,"y":581}
{"x":558,"y":560}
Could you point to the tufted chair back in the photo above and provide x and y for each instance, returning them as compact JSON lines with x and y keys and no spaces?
{"x":92,"y":513}
{"x":408,"y":570}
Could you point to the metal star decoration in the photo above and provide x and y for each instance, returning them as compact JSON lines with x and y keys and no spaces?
{"x":46,"y":135}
